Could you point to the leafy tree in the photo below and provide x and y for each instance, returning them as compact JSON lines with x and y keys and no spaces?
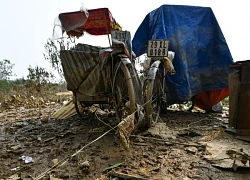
{"x":5,"y":73}
{"x":38,"y":76}
{"x":5,"y":86}
{"x":5,"y":69}
{"x":52,"y":52}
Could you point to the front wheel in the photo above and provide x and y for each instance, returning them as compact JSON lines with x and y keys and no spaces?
{"x":153,"y":95}
{"x":123,"y":91}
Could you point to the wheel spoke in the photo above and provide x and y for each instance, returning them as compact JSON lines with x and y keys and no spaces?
{"x":124,"y":92}
{"x":153,"y":91}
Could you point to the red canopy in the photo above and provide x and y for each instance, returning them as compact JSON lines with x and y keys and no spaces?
{"x":99,"y":22}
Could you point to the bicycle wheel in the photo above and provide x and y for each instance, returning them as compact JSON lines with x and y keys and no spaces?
{"x":76,"y":105}
{"x":123,"y":91}
{"x":153,"y":94}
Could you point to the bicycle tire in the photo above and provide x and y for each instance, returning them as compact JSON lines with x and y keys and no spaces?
{"x":123,"y":92}
{"x":153,"y":93}
{"x":76,"y":105}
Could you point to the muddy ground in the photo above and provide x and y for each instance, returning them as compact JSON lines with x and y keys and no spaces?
{"x":35,"y":146}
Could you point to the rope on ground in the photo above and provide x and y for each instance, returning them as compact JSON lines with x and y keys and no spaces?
{"x":80,"y":150}
{"x":99,"y":119}
{"x":77,"y":152}
{"x":73,"y":155}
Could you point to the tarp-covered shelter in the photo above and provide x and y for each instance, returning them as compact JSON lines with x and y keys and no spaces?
{"x":202,"y":57}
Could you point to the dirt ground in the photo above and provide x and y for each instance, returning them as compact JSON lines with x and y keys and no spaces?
{"x":35,"y":146}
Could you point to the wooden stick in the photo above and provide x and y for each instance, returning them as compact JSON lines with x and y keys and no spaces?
{"x":112,"y":167}
{"x":163,"y":140}
{"x":126,"y":176}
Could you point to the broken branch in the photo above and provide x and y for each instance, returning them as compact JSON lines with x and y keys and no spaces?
{"x":163,"y":140}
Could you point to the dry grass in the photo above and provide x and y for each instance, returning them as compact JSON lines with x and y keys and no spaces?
{"x":29,"y":96}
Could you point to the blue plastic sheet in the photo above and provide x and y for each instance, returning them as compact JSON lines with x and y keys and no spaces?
{"x":202,"y":57}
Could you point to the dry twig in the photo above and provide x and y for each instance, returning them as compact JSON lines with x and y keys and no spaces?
{"x":126,"y":176}
{"x":163,"y":140}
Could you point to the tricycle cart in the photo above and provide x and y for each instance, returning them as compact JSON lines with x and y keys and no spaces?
{"x":101,"y":75}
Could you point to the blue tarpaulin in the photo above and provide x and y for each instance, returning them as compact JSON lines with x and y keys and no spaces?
{"x":202,"y":57}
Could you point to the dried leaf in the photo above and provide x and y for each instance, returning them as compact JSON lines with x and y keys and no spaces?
{"x":244,"y":161}
{"x":235,"y":166}
{"x":230,"y":151}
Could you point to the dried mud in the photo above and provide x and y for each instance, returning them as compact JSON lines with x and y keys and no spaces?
{"x":77,"y":148}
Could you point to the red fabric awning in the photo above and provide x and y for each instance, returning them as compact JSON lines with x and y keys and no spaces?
{"x":99,"y":22}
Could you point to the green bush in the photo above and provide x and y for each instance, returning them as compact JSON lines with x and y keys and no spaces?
{"x":5,"y":86}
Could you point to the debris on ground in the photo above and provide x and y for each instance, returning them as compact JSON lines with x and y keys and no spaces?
{"x":183,"y":145}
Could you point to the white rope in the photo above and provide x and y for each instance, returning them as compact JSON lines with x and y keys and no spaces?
{"x":80,"y":150}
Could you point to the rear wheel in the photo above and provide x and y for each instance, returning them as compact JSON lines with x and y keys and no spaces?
{"x":76,"y":103}
{"x":153,"y":94}
{"x":80,"y":106}
{"x":123,"y":90}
